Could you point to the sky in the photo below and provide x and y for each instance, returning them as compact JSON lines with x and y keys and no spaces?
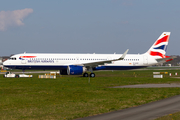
{"x":87,"y":26}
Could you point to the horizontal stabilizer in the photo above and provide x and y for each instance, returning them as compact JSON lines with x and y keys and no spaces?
{"x":162,"y":60}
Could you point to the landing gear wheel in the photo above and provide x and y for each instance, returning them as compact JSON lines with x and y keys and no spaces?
{"x":92,"y":75}
{"x":85,"y":75}
{"x":17,"y":76}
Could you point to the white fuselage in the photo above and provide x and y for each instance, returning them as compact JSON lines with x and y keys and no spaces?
{"x":76,"y":64}
{"x":62,"y":61}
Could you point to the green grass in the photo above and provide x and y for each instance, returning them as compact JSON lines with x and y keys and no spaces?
{"x":70,"y":97}
{"x":163,"y":67}
{"x":174,"y":116}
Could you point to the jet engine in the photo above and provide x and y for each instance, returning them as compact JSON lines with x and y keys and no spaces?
{"x":75,"y":70}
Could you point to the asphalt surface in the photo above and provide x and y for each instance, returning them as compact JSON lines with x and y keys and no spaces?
{"x":148,"y":111}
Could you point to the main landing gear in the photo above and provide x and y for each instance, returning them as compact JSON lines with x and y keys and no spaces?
{"x":85,"y":75}
{"x":91,"y":75}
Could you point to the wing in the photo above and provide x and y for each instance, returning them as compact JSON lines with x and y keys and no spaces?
{"x":94,"y":64}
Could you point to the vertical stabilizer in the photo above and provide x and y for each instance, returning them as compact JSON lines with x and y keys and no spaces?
{"x":160,"y":46}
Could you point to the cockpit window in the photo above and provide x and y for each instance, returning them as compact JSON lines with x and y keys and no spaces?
{"x":13,"y":58}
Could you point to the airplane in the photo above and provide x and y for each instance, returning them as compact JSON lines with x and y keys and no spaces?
{"x":78,"y":64}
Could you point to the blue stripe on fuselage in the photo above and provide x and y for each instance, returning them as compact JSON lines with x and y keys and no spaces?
{"x":35,"y":67}
{"x":118,"y":67}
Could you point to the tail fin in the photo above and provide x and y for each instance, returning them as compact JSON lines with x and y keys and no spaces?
{"x":160,"y":46}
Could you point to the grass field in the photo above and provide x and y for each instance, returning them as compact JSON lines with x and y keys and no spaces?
{"x":174,"y":116}
{"x":71,"y":97}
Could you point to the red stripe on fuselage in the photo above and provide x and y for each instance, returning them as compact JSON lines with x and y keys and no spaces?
{"x":27,"y":56}
{"x":164,"y":39}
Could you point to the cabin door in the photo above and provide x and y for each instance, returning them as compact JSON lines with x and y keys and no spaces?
{"x":145,"y":60}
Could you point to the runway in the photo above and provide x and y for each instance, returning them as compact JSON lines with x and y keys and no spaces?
{"x":148,"y":111}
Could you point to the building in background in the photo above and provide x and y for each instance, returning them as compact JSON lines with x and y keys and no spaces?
{"x":1,"y":63}
{"x":2,"y":59}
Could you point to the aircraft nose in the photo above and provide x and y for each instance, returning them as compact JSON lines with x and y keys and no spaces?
{"x":5,"y":63}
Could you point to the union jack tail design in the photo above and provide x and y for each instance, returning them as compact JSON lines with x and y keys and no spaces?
{"x":159,"y":48}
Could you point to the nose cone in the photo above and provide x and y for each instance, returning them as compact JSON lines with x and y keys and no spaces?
{"x":5,"y":63}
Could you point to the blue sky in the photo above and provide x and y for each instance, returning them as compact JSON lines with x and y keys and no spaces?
{"x":87,"y":26}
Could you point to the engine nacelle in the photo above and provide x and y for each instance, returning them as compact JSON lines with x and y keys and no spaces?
{"x":75,"y":70}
